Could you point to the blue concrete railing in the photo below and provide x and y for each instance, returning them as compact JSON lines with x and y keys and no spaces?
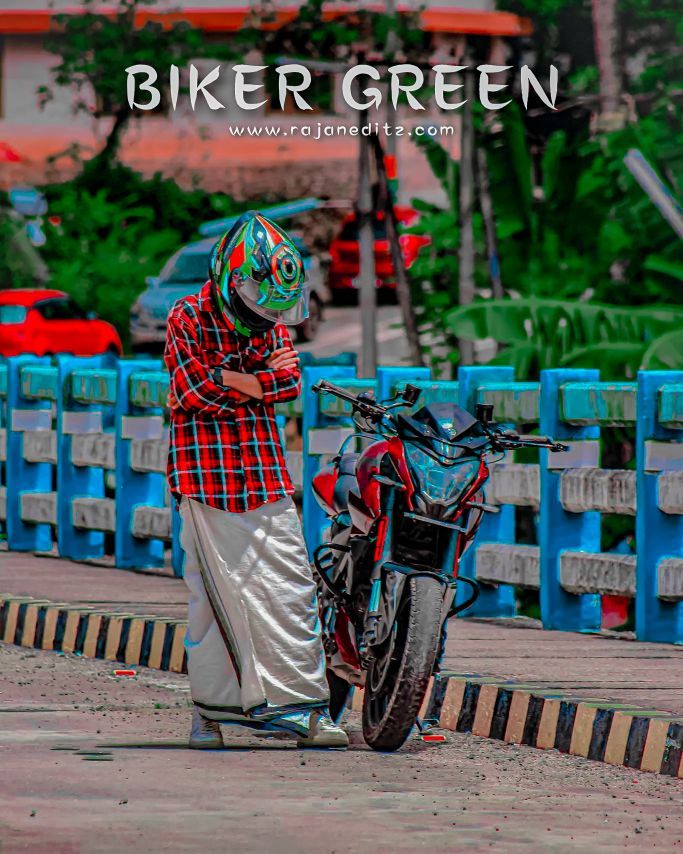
{"x":83,"y":446}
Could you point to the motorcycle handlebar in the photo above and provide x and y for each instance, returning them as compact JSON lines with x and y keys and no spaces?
{"x":377,"y":412}
{"x":536,"y":440}
{"x":366,"y":405}
{"x":533,"y":441}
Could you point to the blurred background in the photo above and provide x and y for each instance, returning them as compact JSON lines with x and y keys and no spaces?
{"x":527,"y":237}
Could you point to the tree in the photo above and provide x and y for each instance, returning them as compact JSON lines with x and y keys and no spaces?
{"x":95,"y":48}
{"x":571,"y":225}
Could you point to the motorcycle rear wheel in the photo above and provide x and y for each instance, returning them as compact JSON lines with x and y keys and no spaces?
{"x":391,"y":708}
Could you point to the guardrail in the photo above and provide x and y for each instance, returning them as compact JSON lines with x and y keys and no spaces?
{"x":83,"y":446}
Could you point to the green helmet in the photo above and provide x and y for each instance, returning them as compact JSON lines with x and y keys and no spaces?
{"x":258,"y":276}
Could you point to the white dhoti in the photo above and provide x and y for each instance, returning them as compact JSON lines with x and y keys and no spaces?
{"x":253,"y":643}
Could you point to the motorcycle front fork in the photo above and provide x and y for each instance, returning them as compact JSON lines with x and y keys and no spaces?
{"x":373,"y":615}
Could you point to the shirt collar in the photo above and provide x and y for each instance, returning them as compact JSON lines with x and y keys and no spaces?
{"x":206,"y":303}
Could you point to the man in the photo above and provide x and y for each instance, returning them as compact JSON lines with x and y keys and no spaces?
{"x":254,"y":649}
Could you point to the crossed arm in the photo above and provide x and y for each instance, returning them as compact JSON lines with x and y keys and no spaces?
{"x":193,"y":387}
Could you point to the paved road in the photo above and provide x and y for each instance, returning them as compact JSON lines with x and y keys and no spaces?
{"x":145,"y":791}
{"x":341,"y":331}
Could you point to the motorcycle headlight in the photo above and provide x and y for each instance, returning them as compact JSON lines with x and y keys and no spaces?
{"x":441,"y":482}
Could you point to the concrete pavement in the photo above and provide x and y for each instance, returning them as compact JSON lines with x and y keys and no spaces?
{"x":92,"y":763}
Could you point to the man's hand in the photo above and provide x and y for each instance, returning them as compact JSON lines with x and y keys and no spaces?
{"x":283,"y":359}
{"x":246,"y":384}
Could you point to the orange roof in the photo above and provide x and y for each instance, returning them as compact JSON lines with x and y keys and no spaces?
{"x":439,"y":19}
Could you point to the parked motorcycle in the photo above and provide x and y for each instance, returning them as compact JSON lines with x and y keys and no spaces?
{"x":402,"y":513}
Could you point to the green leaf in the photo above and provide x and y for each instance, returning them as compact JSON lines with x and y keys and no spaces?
{"x":665,"y":353}
{"x":657,"y":264}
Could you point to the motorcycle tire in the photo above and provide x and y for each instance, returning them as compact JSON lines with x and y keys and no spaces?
{"x":389,"y":713}
{"x":339,"y":695}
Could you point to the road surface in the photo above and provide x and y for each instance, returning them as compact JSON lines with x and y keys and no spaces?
{"x":341,"y":331}
{"x":94,"y":763}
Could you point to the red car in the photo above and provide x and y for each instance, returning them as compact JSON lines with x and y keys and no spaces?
{"x":344,"y":255}
{"x":44,"y":321}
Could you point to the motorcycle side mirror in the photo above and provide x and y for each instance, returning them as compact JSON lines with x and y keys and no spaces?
{"x":410,"y":394}
{"x":484,"y":412}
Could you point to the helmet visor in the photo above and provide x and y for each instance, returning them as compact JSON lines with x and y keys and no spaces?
{"x":274,"y":303}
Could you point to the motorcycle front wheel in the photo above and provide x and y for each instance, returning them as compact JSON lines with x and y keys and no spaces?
{"x":398,"y":677}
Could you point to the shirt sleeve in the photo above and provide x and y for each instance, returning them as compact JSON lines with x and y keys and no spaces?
{"x":191,"y":380}
{"x":282,"y":385}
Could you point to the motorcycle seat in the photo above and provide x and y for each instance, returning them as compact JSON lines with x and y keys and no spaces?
{"x":346,"y":481}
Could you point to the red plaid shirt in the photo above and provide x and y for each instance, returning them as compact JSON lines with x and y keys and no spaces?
{"x":222,"y":452}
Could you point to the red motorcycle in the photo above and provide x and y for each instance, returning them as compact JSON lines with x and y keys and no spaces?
{"x":402,"y":513}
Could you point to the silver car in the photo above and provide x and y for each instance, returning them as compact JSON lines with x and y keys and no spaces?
{"x":185,"y":273}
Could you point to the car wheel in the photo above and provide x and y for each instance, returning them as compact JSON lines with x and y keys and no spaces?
{"x":309,"y":328}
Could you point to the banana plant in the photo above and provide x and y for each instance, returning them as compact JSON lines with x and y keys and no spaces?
{"x":544,"y":333}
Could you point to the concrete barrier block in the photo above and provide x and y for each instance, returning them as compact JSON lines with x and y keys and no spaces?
{"x":95,"y":514}
{"x":39,"y":507}
{"x":591,"y":402}
{"x":508,"y":564}
{"x":3,"y":503}
{"x":670,"y":579}
{"x":606,"y":490}
{"x":149,"y":455}
{"x":670,"y":492}
{"x":40,"y":446}
{"x":94,"y":385}
{"x":586,"y":572}
{"x":152,"y":523}
{"x":515,"y":483}
{"x":514,"y":402}
{"x":94,"y":449}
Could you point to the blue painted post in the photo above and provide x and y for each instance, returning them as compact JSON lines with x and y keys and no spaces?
{"x":498,"y":528}
{"x":560,"y":530}
{"x":177,"y":553}
{"x":135,"y":488}
{"x":314,"y":519}
{"x":3,"y":441}
{"x":658,"y":535}
{"x":387,"y":378}
{"x":22,"y":476}
{"x":76,"y":481}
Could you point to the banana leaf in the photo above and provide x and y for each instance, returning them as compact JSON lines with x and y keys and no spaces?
{"x":665,"y":353}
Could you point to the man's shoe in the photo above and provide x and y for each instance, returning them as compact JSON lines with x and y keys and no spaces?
{"x":323,"y":732}
{"x":205,"y":734}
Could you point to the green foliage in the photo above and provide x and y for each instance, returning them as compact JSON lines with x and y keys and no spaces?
{"x":571,"y":224}
{"x":117,"y":228}
{"x":95,"y":48}
{"x":544,"y":333}
{"x":20,"y":265}
{"x":314,"y":35}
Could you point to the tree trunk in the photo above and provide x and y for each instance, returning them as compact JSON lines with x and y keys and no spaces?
{"x":402,"y":283}
{"x":466,"y":205}
{"x":111,"y":146}
{"x":605,"y":38}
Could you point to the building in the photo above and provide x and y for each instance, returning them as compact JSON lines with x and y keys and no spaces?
{"x":197,"y":145}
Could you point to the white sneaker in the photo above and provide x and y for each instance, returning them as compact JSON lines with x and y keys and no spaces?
{"x":323,"y":732}
{"x":206,"y":734}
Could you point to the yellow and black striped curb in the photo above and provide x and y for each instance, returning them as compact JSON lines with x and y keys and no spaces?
{"x":525,"y":714}
{"x":133,"y":639}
